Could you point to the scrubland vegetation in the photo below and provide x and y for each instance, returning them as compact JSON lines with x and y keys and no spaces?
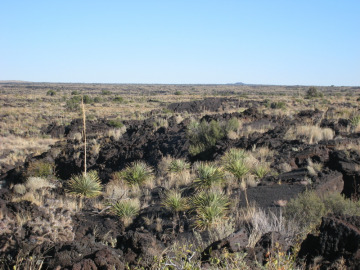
{"x":237,"y":182}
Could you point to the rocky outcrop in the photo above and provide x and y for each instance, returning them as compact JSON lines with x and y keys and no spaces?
{"x":337,"y":243}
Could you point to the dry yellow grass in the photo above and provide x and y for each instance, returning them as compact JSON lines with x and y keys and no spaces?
{"x":312,"y":134}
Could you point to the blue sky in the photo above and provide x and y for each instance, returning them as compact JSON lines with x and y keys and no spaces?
{"x":264,"y":42}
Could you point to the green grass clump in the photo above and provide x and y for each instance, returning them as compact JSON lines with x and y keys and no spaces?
{"x":126,"y":210}
{"x":208,"y":175}
{"x":178,"y":165}
{"x":115,"y":123}
{"x":204,"y":135}
{"x":40,"y":169}
{"x":137,"y":173}
{"x":308,"y":208}
{"x":82,"y":185}
{"x":261,"y":170}
{"x":174,"y":201}
{"x":210,"y":208}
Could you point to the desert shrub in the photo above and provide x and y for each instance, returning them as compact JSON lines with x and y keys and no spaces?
{"x":97,"y":99}
{"x":137,"y":173}
{"x":105,"y":92}
{"x":115,"y":123}
{"x":87,"y":99}
{"x":51,"y":93}
{"x":118,"y":99}
{"x":82,"y":185}
{"x":307,"y":209}
{"x":204,"y":135}
{"x":312,"y":92}
{"x":35,"y":183}
{"x":211,"y":209}
{"x":19,"y":189}
{"x":178,"y":93}
{"x":126,"y":210}
{"x":278,"y":105}
{"x":178,"y":165}
{"x":40,"y":169}
{"x":208,"y":175}
{"x":73,"y":104}
{"x":231,"y":125}
{"x":313,"y":134}
{"x":75,"y":93}
{"x":338,"y":204}
{"x":174,"y":201}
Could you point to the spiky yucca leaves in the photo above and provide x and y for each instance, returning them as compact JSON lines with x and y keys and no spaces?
{"x":211,"y":209}
{"x":178,"y":165}
{"x":82,"y":185}
{"x":234,"y":162}
{"x":238,"y":168}
{"x":233,"y":154}
{"x":126,"y":210}
{"x":174,"y":201}
{"x":261,"y":170}
{"x":208,"y":175}
{"x":137,"y":173}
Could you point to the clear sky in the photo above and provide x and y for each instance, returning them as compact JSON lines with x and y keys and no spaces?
{"x":179,"y":41}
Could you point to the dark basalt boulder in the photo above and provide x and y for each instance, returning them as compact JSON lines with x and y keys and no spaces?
{"x":140,"y":248}
{"x":339,"y":239}
{"x":348,"y":163}
{"x":238,"y":243}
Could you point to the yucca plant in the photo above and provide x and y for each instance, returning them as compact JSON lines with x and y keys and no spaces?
{"x":207,"y":176}
{"x":178,"y":165}
{"x":174,"y":201}
{"x":261,"y":170}
{"x":85,"y":185}
{"x":355,"y":122}
{"x":238,"y":168}
{"x":126,"y":210}
{"x":210,"y":207}
{"x":233,"y":154}
{"x":137,"y":173}
{"x":234,"y":162}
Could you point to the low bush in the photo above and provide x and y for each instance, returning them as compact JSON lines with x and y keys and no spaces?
{"x":40,"y":169}
{"x":278,"y":105}
{"x":118,"y":99}
{"x":312,"y":92}
{"x":115,"y":123}
{"x":308,"y":208}
{"x":204,"y":135}
{"x":51,"y":93}
{"x":105,"y":92}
